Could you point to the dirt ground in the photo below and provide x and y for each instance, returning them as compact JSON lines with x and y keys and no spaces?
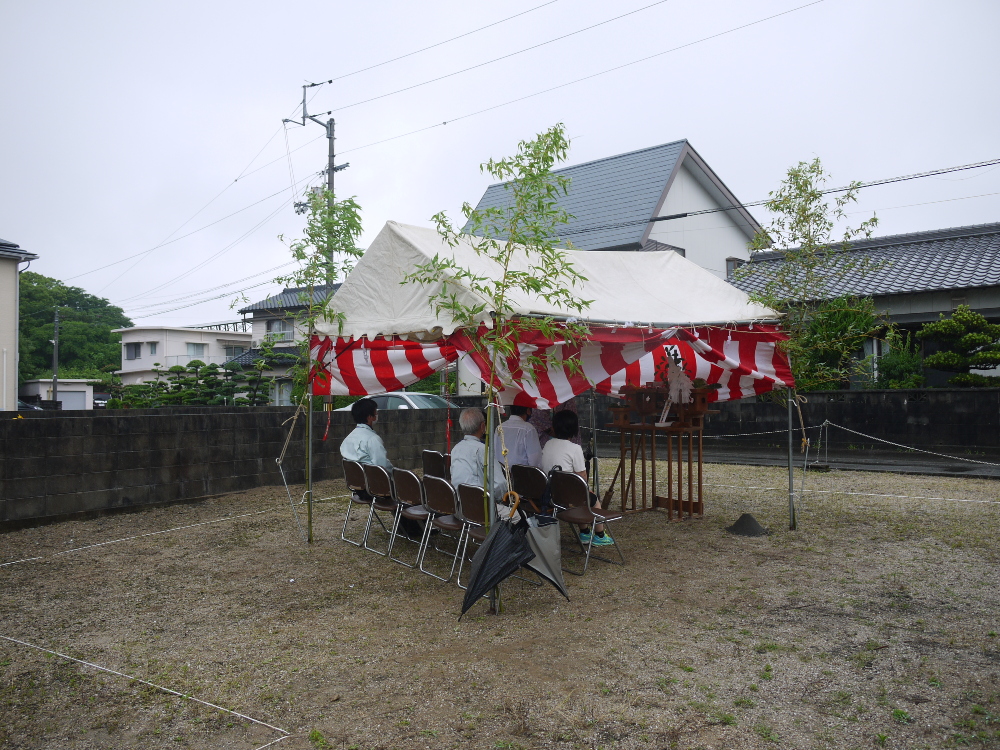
{"x":873,"y":625}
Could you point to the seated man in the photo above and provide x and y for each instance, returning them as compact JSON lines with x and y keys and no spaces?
{"x":363,"y":444}
{"x":468,"y":456}
{"x":521,"y":441}
{"x":561,"y":451}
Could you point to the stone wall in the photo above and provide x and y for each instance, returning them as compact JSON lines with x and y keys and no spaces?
{"x":58,"y":463}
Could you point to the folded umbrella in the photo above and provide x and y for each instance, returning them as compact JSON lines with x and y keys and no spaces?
{"x":505,"y":549}
{"x":543,"y":537}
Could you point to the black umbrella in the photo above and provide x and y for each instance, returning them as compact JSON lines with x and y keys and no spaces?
{"x":504,"y":550}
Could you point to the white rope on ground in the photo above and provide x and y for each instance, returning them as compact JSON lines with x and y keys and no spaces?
{"x":151,"y":684}
{"x":273,"y":742}
{"x":907,"y":447}
{"x":861,"y":494}
{"x":139,"y":536}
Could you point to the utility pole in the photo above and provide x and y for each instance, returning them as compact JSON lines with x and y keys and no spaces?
{"x":302,"y":207}
{"x":55,"y":359}
{"x":331,"y":166}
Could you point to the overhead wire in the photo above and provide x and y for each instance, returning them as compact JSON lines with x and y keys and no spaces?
{"x":212,"y":289}
{"x":498,"y":59}
{"x":584,"y":78}
{"x":230,"y":246}
{"x":437,"y":44}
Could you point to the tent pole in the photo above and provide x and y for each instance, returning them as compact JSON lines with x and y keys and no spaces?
{"x":491,"y":506}
{"x":791,"y":467}
{"x":309,"y":449}
{"x":593,"y":442}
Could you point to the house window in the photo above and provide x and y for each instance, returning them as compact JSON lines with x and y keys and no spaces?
{"x":234,"y":351}
{"x":152,"y":348}
{"x":281,"y":393}
{"x":732,"y":264}
{"x":196,"y":350}
{"x":133,"y":351}
{"x":956,"y":301}
{"x":279,"y":330}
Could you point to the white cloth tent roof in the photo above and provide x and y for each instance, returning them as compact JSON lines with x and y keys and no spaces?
{"x":661,"y":288}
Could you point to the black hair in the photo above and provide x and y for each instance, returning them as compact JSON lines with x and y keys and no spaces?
{"x":519,"y":411}
{"x":363,"y":409}
{"x":565,"y":424}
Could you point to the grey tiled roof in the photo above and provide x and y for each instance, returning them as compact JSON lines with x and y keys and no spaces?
{"x":247,"y":358}
{"x":614,"y":190}
{"x":957,"y":258}
{"x":10,"y":249}
{"x":292,"y":299}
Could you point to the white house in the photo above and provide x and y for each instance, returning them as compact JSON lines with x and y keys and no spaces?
{"x":278,"y":320}
{"x":146,"y":347}
{"x":613,"y":200}
{"x":75,"y":395}
{"x":11,"y":257}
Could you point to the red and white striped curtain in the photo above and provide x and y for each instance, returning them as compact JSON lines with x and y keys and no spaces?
{"x":743,"y":361}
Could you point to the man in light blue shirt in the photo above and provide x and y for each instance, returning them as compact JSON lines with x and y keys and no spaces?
{"x":363,"y":444}
{"x":468,"y":456}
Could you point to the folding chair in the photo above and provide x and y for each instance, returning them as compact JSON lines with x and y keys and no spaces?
{"x":409,"y":494}
{"x":472,"y":513}
{"x":529,"y":482}
{"x":435,"y":464}
{"x":354,"y":476}
{"x":570,"y":491}
{"x":439,"y":502}
{"x":379,"y":486}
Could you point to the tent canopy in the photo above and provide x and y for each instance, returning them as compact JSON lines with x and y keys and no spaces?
{"x":661,"y":288}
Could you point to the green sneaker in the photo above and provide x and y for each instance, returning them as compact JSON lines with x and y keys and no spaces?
{"x":585,"y":538}
{"x":603,"y":540}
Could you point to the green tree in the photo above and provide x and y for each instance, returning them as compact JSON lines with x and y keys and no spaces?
{"x":967,"y":342}
{"x":902,"y":366}
{"x":825,"y":334}
{"x":325,"y":254}
{"x":87,"y":346}
{"x":528,"y":228}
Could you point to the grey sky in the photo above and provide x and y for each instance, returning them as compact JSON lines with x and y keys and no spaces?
{"x":123,"y":119}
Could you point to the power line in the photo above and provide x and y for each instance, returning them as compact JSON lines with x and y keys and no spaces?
{"x":438,"y":44}
{"x":496,"y":59}
{"x":197,"y":302}
{"x":584,"y":78}
{"x":212,"y":289}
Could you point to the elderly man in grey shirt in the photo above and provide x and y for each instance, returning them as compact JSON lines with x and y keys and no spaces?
{"x":469,"y":455}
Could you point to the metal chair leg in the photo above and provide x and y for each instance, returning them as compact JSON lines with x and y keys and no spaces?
{"x":427,"y":534}
{"x":371,"y":515}
{"x":392,"y":541}
{"x":347,"y":518}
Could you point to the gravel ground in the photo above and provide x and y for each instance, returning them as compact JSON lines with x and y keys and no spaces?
{"x":873,"y":625}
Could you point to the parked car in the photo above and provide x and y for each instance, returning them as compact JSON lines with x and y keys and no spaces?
{"x":408,"y":400}
{"x":24,"y":406}
{"x":101,"y":400}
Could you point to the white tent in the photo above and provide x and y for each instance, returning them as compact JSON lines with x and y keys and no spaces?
{"x":661,"y":288}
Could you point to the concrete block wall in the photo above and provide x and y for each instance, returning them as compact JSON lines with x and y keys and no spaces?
{"x":59,"y":463}
{"x":949,"y":420}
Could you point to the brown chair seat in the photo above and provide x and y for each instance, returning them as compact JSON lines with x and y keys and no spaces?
{"x":414,"y":513}
{"x":584,"y":516}
{"x":478,"y":533}
{"x":448,"y":523}
{"x":385,"y":503}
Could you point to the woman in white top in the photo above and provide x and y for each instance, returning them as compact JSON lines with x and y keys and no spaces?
{"x":560,"y":451}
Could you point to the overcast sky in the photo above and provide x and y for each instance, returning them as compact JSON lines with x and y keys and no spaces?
{"x":122,"y":120}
